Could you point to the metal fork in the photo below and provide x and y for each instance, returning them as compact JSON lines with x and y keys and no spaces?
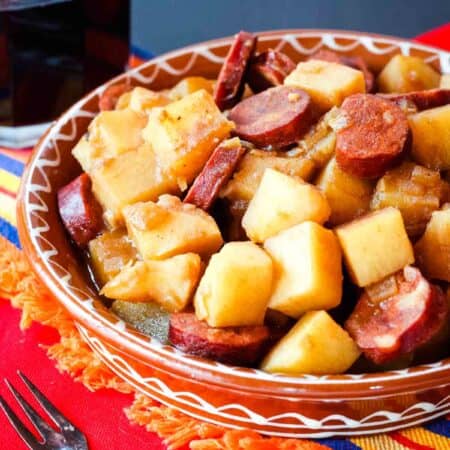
{"x":67,"y":438}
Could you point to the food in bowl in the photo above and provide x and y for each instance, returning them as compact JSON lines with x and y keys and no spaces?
{"x":289,"y":225}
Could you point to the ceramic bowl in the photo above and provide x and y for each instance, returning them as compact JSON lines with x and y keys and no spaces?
{"x":302,"y":406}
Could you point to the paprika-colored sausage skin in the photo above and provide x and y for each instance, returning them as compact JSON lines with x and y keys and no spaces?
{"x":276,"y":117}
{"x":372,"y":135}
{"x":111,"y":94}
{"x":268,"y":69}
{"x":230,"y":82}
{"x":80,"y":212}
{"x":243,"y":346}
{"x":391,"y":327}
{"x":214,"y":175}
{"x":420,"y":100}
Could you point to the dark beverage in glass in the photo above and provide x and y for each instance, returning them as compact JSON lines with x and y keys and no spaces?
{"x":51,"y":53}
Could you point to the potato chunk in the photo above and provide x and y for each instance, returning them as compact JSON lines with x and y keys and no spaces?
{"x":142,"y":100}
{"x":327,"y":83}
{"x":170,"y":227}
{"x":111,"y":133}
{"x":414,"y":190}
{"x":433,"y":249}
{"x":236,"y":286}
{"x":431,"y":137}
{"x":280,"y":202}
{"x":407,"y":73}
{"x":184,"y":133}
{"x":170,"y":282}
{"x":308,"y":273}
{"x":189,"y":85}
{"x":315,"y":345}
{"x":348,"y":196}
{"x":251,"y":169}
{"x":131,"y":177}
{"x":375,"y":246}
{"x":445,"y":81}
{"x":109,"y":253}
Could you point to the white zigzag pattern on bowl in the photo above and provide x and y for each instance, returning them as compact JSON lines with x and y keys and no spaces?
{"x":36,"y":207}
{"x":385,"y":418}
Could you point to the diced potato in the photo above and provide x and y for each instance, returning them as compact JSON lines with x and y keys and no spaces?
{"x":131,"y":177}
{"x":189,"y":85}
{"x":414,"y":190}
{"x":348,"y":196}
{"x":315,"y":345}
{"x":109,"y":253}
{"x":327,"y":83}
{"x":280,"y":202}
{"x":308,"y":272}
{"x":407,"y":73}
{"x":143,"y":100}
{"x":86,"y":154}
{"x":117,"y":132}
{"x":433,"y":249}
{"x":170,"y":283}
{"x":123,"y":101}
{"x":375,"y":246}
{"x":251,"y":169}
{"x":445,"y":81}
{"x":236,"y":286}
{"x":431,"y":137}
{"x":110,"y":134}
{"x":184,"y":134}
{"x":170,"y":227}
{"x":319,"y":143}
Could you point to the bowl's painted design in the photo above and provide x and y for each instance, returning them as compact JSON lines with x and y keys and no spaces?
{"x":280,"y":405}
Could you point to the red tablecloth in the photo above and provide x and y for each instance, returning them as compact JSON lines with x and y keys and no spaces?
{"x":100,"y":415}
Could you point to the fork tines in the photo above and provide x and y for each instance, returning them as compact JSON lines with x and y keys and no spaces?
{"x":67,"y":437}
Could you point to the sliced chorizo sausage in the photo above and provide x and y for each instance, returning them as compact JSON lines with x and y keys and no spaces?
{"x":230,"y":82}
{"x":389,"y":327}
{"x":353,"y":61}
{"x":80,"y":212}
{"x":268,"y":69}
{"x":276,"y":117}
{"x":216,"y":172}
{"x":420,"y":100}
{"x":243,"y":346}
{"x":372,"y":135}
{"x":108,"y":98}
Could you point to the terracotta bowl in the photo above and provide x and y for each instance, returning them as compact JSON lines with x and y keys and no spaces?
{"x":302,"y":406}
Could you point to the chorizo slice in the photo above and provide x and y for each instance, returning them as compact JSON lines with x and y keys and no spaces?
{"x":420,"y":100}
{"x":79,"y":210}
{"x":230,"y":82}
{"x":352,"y":61}
{"x":371,"y":137}
{"x":216,"y":172}
{"x":276,"y":117}
{"x":389,"y":326}
{"x":108,"y":98}
{"x":268,"y":69}
{"x":243,"y":346}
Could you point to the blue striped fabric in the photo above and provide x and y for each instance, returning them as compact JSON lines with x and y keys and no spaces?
{"x":9,"y":231}
{"x":11,"y":165}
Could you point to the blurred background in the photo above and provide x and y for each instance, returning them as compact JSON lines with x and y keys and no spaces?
{"x":54,"y":51}
{"x":164,"y":25}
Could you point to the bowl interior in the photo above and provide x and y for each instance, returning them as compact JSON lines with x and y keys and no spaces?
{"x":52,"y":166}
